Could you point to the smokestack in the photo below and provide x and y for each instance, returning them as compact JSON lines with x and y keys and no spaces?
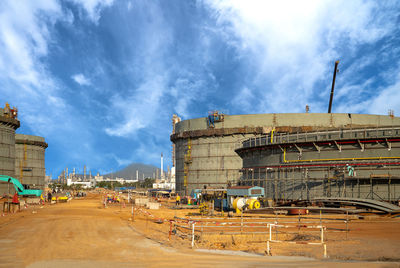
{"x":175,"y":119}
{"x":137,"y":174}
{"x":162,"y":171}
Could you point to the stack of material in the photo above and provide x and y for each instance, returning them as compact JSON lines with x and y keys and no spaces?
{"x":153,"y":205}
{"x":141,"y":201}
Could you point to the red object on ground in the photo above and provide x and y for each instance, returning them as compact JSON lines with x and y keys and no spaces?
{"x":297,"y":211}
{"x":15,"y":199}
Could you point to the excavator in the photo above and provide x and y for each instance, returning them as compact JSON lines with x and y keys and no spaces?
{"x":19,"y":187}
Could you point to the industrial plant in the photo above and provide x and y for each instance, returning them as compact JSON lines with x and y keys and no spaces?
{"x":292,"y":156}
{"x":289,"y":178}
{"x":21,"y":156}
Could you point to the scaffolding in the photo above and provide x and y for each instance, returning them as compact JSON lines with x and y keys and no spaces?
{"x":358,"y":163}
{"x":187,"y":162}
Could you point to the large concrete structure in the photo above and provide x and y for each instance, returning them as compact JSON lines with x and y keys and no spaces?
{"x":356,"y":163}
{"x":8,"y":124}
{"x":30,"y":160}
{"x":205,"y":152}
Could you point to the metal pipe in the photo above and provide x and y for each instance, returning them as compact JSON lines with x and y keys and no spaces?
{"x":333,"y":86}
{"x":327,"y":165}
{"x":338,"y":159}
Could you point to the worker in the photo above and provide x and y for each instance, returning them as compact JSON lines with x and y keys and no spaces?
{"x":49,"y":196}
{"x":15,"y":201}
{"x":178,"y":199}
{"x":350,"y":169}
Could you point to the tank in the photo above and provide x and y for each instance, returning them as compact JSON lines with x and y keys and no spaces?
{"x":205,"y":154}
{"x":343,"y":163}
{"x":8,"y":124}
{"x":30,"y":160}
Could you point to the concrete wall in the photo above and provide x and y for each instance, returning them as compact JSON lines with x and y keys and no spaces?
{"x":30,"y":160}
{"x":213,"y":160}
{"x":291,"y":119}
{"x":7,"y":148}
{"x":321,"y":168}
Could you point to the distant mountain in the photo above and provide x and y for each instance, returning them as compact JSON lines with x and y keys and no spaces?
{"x":129,"y":172}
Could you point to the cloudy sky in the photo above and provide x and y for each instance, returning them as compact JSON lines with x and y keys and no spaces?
{"x":100,"y":80}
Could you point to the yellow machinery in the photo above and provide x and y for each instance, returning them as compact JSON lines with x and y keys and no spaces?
{"x":243,"y":203}
{"x":187,"y":162}
{"x":203,"y":209}
{"x":253,"y":203}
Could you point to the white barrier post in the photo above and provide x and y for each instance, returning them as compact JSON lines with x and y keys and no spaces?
{"x":322,"y":234}
{"x":193,"y":234}
{"x":270,"y":232}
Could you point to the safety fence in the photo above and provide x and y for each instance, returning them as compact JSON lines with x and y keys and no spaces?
{"x":273,"y":230}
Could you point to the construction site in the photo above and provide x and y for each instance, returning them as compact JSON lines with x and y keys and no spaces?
{"x":305,"y":189}
{"x":21,"y":156}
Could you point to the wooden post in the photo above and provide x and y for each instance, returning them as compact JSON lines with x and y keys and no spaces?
{"x":170,"y":230}
{"x":241,"y":222}
{"x":299,"y":221}
{"x":347,"y":223}
{"x":320,"y":217}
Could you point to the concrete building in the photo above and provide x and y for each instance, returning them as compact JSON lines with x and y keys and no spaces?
{"x":84,"y":184}
{"x":357,"y":163}
{"x":30,"y":160}
{"x":205,"y":147}
{"x":169,"y":183}
{"x":8,"y":124}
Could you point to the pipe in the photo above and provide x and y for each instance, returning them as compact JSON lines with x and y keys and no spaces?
{"x":272,"y":135}
{"x":327,"y":165}
{"x":264,"y":147}
{"x":333,"y":87}
{"x":338,"y":159}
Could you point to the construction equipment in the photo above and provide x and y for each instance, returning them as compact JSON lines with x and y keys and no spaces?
{"x":214,"y":117}
{"x":242,"y":203}
{"x":19,"y":188}
{"x":203,"y":208}
{"x":188,"y":161}
{"x":10,"y":113}
{"x":333,"y":86}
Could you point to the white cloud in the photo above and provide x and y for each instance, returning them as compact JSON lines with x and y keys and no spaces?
{"x":26,"y":35}
{"x":389,"y":98}
{"x":93,"y":8}
{"x":292,"y":45}
{"x":81,"y":80}
{"x":361,"y":98}
{"x":244,"y":100}
{"x":186,"y":90}
{"x":138,"y":110}
{"x":142,"y":106}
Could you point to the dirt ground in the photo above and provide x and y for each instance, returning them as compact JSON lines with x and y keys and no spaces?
{"x":82,"y":233}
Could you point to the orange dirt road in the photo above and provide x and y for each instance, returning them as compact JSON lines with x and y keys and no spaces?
{"x":83,"y":234}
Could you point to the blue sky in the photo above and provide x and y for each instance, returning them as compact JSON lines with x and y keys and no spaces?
{"x":100,"y":80}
